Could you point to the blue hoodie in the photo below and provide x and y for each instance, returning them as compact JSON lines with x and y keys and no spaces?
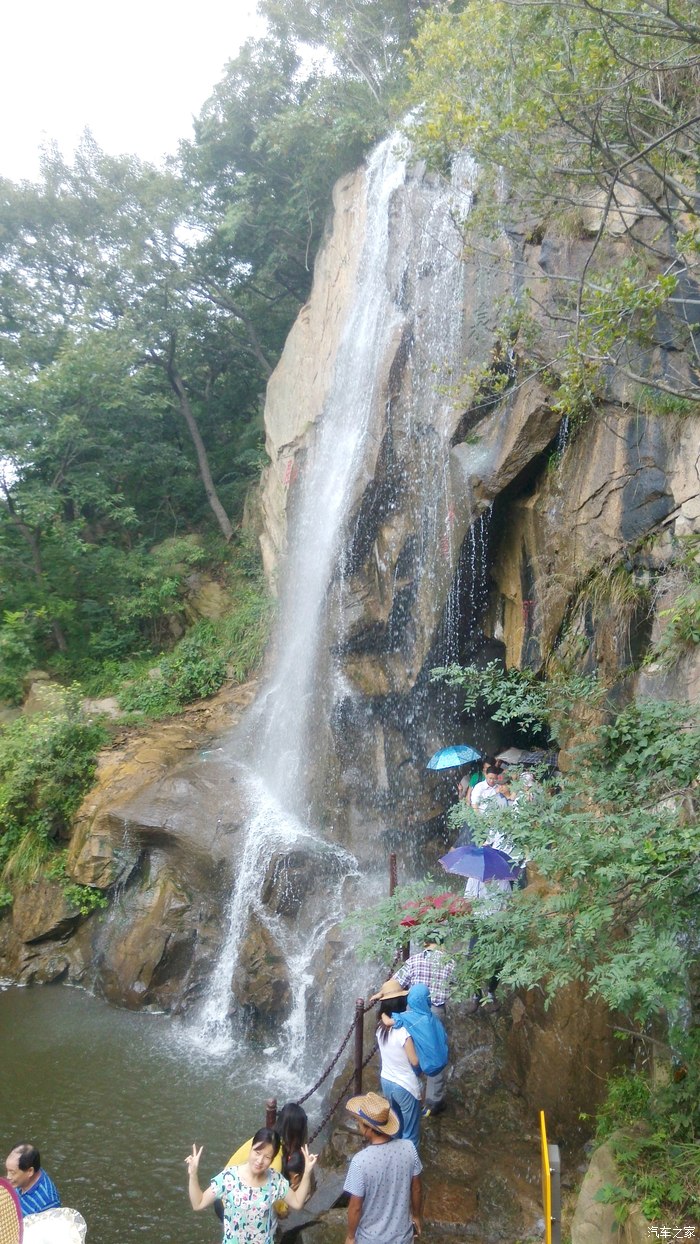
{"x":426,"y":1029}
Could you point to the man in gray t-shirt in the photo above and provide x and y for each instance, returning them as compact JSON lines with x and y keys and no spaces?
{"x":383,"y":1179}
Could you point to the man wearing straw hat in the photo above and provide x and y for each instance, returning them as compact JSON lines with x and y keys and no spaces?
{"x":383,"y":1179}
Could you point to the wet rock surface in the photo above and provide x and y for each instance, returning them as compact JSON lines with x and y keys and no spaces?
{"x":260,"y":988}
{"x":156,"y":834}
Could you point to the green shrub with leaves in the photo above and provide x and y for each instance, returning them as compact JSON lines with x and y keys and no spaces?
{"x":84,"y":898}
{"x":196,"y":668}
{"x":682,"y":630}
{"x":654,"y":1131}
{"x":212,"y":651}
{"x":47,"y":763}
{"x":129,"y":597}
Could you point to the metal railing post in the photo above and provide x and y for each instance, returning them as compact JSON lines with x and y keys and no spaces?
{"x":359,"y":1042}
{"x":271,"y":1112}
{"x":555,"y":1176}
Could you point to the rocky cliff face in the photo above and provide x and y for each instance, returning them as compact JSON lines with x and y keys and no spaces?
{"x":565,"y":519}
{"x":472,"y":528}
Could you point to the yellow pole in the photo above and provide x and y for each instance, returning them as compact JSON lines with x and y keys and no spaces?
{"x":546,"y":1182}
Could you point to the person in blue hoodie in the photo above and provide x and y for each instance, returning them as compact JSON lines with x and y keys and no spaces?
{"x":429,"y":1038}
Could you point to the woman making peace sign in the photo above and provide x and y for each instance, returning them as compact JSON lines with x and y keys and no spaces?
{"x":249,"y":1191}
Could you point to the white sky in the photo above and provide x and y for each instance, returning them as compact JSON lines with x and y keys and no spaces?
{"x":134,"y":71}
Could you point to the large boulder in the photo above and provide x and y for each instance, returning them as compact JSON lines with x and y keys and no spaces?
{"x":41,"y":912}
{"x":594,"y":1221}
{"x":152,"y":953}
{"x":260,"y":987}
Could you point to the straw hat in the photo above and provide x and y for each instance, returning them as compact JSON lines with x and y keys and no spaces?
{"x":376,"y":1112}
{"x":395,"y":992}
{"x":10,"y":1214}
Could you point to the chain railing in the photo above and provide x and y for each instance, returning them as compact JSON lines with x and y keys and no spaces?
{"x":354,"y":1080}
{"x":360,"y":1012}
{"x":343,"y":1093}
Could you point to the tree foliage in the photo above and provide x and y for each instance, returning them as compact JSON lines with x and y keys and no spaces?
{"x":582,"y":112}
{"x":141,"y":313}
{"x":653,"y":1126}
{"x":47,"y":762}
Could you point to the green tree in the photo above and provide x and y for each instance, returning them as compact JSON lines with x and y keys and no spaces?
{"x":118,"y":263}
{"x":366,"y":39}
{"x":269,"y":144}
{"x":582,"y":110}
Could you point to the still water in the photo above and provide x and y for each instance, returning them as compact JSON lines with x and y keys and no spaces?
{"x":114,"y":1100}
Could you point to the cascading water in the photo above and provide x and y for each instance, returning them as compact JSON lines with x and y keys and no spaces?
{"x":271,"y":833}
{"x":330,"y":474}
{"x":306,"y":680}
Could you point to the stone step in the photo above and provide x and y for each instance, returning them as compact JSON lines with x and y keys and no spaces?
{"x":329,"y":1190}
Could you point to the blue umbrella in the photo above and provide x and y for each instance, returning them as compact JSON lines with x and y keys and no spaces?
{"x":450,"y":757}
{"x":482,"y":863}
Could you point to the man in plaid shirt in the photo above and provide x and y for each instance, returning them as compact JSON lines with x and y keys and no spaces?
{"x":431,"y":967}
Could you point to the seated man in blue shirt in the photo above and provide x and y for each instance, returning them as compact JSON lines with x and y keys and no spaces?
{"x":35,"y":1189}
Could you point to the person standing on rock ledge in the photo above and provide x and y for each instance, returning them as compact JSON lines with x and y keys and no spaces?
{"x":383,"y":1179}
{"x":431,"y":967}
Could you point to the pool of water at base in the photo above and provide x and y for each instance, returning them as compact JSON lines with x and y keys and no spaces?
{"x":114,"y":1100}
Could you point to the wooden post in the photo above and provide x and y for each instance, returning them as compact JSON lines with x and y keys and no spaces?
{"x":271,"y":1112}
{"x":359,"y":1043}
{"x":393,"y":879}
{"x":393,"y":874}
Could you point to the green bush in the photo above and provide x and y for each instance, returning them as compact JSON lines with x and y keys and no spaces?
{"x":654,"y":1134}
{"x":682,"y":630}
{"x":47,"y":763}
{"x":232,"y":647}
{"x":84,"y":898}
{"x":195,"y":669}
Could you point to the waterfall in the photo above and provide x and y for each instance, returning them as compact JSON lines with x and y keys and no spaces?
{"x":271,"y":830}
{"x":306,"y":681}
{"x":330,"y":474}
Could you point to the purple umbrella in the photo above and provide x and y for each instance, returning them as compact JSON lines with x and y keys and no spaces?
{"x":482,"y":863}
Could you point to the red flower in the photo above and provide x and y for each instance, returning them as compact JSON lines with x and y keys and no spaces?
{"x":439,"y":906}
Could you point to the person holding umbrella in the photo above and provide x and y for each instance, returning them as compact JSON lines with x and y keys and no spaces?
{"x":488,"y":869}
{"x":491,"y":873}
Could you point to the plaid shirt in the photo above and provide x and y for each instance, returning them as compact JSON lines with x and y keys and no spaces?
{"x":431,"y":968}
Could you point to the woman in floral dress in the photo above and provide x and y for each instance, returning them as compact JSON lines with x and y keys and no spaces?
{"x":249,"y":1191}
